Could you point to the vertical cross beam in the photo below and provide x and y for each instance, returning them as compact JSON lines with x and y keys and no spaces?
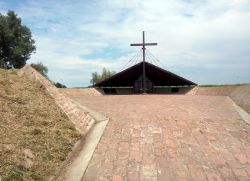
{"x":143,"y":44}
{"x":143,"y":64}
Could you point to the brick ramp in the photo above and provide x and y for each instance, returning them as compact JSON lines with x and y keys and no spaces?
{"x":81,"y":92}
{"x":89,"y":123}
{"x":241,"y":96}
{"x":213,"y":91}
{"x":167,"y":137}
{"x":81,"y":119}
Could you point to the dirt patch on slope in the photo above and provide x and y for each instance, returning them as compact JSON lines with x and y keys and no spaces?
{"x":36,"y":136}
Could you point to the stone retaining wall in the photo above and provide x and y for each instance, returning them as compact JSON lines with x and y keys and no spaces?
{"x":81,"y":119}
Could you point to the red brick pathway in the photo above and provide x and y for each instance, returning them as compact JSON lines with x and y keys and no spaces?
{"x":164,"y":137}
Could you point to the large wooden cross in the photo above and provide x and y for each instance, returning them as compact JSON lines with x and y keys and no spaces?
{"x":143,"y":44}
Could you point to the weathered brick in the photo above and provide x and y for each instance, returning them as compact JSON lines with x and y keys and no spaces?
{"x":207,"y":141}
{"x":197,"y":173}
{"x":242,"y":158}
{"x":240,"y":172}
{"x":117,"y":178}
{"x":170,"y":144}
{"x":135,"y":146}
{"x":226,"y":173}
{"x":135,"y":155}
{"x":133,"y":176}
{"x":149,"y":170}
{"x":218,"y":160}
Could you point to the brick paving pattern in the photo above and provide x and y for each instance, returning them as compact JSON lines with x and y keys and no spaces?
{"x":166,"y":137}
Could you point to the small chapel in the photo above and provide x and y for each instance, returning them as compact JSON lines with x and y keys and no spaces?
{"x":145,"y":77}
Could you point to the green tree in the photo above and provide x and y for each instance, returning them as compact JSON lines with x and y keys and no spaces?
{"x":41,"y":68}
{"x":95,"y":77}
{"x":59,"y":85}
{"x":16,"y":43}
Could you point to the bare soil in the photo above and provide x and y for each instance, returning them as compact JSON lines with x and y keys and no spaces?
{"x":36,"y":136}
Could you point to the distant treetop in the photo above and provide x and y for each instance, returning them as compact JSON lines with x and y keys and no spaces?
{"x":97,"y":78}
{"x":41,"y":68}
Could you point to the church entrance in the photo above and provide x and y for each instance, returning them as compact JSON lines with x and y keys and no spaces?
{"x":138,"y":85}
{"x":143,"y":77}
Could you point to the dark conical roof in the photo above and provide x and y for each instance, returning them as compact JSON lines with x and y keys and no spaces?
{"x":157,"y":75}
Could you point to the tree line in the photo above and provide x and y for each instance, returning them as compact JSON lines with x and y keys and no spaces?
{"x":17,"y":45}
{"x":95,"y":77}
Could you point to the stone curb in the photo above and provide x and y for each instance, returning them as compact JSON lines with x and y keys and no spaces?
{"x":74,"y":167}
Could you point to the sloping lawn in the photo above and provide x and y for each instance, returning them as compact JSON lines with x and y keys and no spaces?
{"x":35,"y":135}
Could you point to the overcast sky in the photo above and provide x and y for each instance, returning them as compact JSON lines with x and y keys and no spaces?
{"x":206,"y":41}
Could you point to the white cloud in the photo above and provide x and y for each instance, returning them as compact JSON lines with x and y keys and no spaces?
{"x":197,"y":39}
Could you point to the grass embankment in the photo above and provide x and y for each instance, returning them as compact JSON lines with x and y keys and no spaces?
{"x":36,"y":136}
{"x":220,"y":85}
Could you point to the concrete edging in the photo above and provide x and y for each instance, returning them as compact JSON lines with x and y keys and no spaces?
{"x":74,"y":167}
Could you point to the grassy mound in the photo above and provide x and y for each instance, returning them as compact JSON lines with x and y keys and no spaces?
{"x":36,"y":136}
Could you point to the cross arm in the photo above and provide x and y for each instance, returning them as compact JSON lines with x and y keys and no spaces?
{"x":136,"y":44}
{"x":141,"y":44}
{"x":150,"y":44}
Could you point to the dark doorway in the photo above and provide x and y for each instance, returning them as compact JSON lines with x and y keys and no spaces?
{"x":138,"y":85}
